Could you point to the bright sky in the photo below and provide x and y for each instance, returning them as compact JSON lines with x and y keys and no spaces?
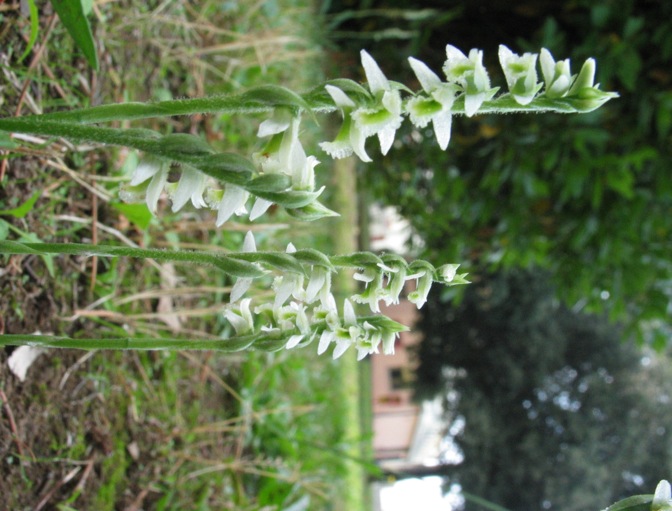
{"x":422,"y":494}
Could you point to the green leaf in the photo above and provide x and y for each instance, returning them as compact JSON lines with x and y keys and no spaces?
{"x":634,"y":503}
{"x":275,"y":96}
{"x":269,"y":183}
{"x":138,"y":214}
{"x":290,"y":198}
{"x":184,"y":144}
{"x":311,"y":212}
{"x":279,"y":260}
{"x":34,"y":28}
{"x":71,"y":13}
{"x":357,"y":260}
{"x":313,"y":257}
{"x":15,"y":247}
{"x":228,"y":167}
{"x":22,"y":210}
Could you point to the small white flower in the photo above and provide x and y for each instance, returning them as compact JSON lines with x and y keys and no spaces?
{"x":289,"y":284}
{"x":424,"y":283}
{"x":437,"y":108}
{"x":157,"y":170}
{"x":447,"y":272}
{"x":243,"y":284}
{"x":374,"y":291}
{"x":585,"y":94}
{"x":240,"y":317}
{"x":520,"y":73}
{"x":385,"y":118}
{"x":350,"y":138}
{"x":319,"y":284}
{"x":470,"y":74}
{"x":395,"y":284}
{"x":557,"y":75}
{"x":191,"y":185}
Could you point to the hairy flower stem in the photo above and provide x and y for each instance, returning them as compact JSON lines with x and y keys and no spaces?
{"x":230,"y":345}
{"x":316,"y":101}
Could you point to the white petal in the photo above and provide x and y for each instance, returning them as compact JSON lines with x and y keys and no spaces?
{"x":155,"y":188}
{"x":260,"y":207}
{"x":427,"y":78}
{"x":293,"y":341}
{"x":386,"y":138}
{"x":248,"y":243}
{"x":278,"y":123}
{"x":361,"y":354}
{"x":190,"y":184}
{"x":505,"y":57}
{"x":374,"y":76}
{"x":337,"y":149}
{"x":442,"y":125}
{"x":290,"y":248}
{"x":145,"y":170}
{"x":340,"y":98}
{"x":239,"y":289}
{"x":357,"y":140}
{"x":325,"y":340}
{"x":472,"y":102}
{"x":317,"y":280}
{"x":454,"y":53}
{"x":547,"y":64}
{"x":349,"y":316}
{"x":234,"y":198}
{"x":662,"y":496}
{"x":341,"y":347}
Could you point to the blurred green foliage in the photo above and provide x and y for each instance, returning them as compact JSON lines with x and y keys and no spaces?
{"x":549,"y":409}
{"x":587,"y":197}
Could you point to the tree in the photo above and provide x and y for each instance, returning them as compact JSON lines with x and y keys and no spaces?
{"x":558,"y":413}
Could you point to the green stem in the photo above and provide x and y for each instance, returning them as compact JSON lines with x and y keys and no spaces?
{"x":229,"y":345}
{"x":229,"y":265}
{"x":316,"y":100}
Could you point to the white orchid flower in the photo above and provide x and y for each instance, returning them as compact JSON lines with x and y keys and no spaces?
{"x":437,"y":107}
{"x":240,"y":317}
{"x":470,"y":74}
{"x":232,"y":202}
{"x":385,"y":118}
{"x":424,"y":283}
{"x":157,"y":170}
{"x":289,"y":284}
{"x":191,"y":186}
{"x":557,"y":75}
{"x":521,"y":74}
{"x":350,"y":138}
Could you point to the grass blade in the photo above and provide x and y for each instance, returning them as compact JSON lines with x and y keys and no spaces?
{"x":71,"y":14}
